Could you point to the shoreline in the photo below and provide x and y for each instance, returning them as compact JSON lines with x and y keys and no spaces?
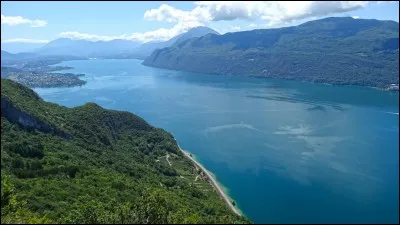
{"x":214,"y":183}
{"x":386,"y":89}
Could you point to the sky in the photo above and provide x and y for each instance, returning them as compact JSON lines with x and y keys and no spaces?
{"x":29,"y":25}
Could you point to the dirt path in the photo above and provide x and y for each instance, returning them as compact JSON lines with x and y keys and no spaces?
{"x":170,"y":164}
{"x":213,"y":182}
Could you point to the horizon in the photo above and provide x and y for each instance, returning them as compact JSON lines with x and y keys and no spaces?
{"x":30,"y":25}
{"x":96,"y":41}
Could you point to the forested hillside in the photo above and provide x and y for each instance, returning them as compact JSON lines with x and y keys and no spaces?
{"x":336,"y":50}
{"x":91,"y":165}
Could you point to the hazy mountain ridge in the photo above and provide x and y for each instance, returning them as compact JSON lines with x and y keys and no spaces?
{"x":115,"y":48}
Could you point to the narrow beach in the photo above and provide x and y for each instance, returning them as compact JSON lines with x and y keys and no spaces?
{"x":213,"y":182}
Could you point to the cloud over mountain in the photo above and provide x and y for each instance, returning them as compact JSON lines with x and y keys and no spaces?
{"x":23,"y":40}
{"x":270,"y":12}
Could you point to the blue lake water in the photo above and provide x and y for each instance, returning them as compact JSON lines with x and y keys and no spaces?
{"x":286,"y":151}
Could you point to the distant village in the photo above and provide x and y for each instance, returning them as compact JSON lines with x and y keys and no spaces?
{"x":43,"y":79}
{"x":39,"y":73}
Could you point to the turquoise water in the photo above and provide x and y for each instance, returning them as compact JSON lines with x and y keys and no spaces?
{"x":286,"y":151}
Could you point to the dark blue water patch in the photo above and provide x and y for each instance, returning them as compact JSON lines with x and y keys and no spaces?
{"x":318,"y":107}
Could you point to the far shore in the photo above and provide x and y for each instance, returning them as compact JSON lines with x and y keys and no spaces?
{"x":214,"y":183}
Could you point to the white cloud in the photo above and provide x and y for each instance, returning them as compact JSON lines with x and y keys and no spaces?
{"x":274,"y":14}
{"x":252,"y":25}
{"x":384,"y":2}
{"x":184,"y":21}
{"x":161,"y":34}
{"x":17,"y":20}
{"x":277,"y":12}
{"x":90,"y":37}
{"x":166,"y":13}
{"x":355,"y":17}
{"x":24,"y":40}
{"x":172,"y":15}
{"x":235,"y":28}
{"x":164,"y":34}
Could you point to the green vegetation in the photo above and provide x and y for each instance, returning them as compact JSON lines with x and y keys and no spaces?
{"x":95,"y":166}
{"x":331,"y":50}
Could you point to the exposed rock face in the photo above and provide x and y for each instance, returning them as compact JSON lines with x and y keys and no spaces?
{"x":13,"y":114}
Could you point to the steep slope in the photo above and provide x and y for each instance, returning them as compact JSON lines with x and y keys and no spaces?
{"x":331,"y":50}
{"x":91,"y":165}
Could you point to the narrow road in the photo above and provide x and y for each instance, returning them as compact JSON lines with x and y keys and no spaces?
{"x":168,"y":160}
{"x":213,"y":182}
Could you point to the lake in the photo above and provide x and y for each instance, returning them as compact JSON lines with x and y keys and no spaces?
{"x":285,"y":151}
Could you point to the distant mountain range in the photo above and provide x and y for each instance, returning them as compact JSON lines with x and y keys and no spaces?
{"x":17,"y":47}
{"x":85,"y":48}
{"x":32,"y":60}
{"x":146,"y":49}
{"x":336,"y":50}
{"x":5,"y":54}
{"x":115,"y":48}
{"x":10,"y":56}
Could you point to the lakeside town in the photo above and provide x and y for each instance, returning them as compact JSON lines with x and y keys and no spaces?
{"x":45,"y":80}
{"x":40,"y":73}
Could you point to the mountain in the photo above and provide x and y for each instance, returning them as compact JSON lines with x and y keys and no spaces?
{"x":6,"y":55}
{"x":146,"y":49}
{"x":114,"y":48}
{"x":28,"y":60}
{"x":192,"y":33}
{"x":336,"y":50}
{"x":84,"y":48}
{"x":92,"y":165}
{"x":6,"y":70}
{"x":18,"y":59}
{"x":18,"y":56}
{"x":17,"y":47}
